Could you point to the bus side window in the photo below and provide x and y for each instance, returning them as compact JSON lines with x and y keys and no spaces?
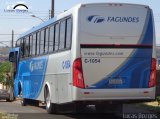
{"x":42,"y":42}
{"x":30,"y":44}
{"x":38,"y":43}
{"x":56,"y":45}
{"x":46,"y":39}
{"x":68,"y":33}
{"x":62,"y":35}
{"x":22,"y":48}
{"x":26,"y":47}
{"x":34,"y":45}
{"x":51,"y":39}
{"x":18,"y":43}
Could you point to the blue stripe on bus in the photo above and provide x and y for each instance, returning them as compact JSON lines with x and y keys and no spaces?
{"x":135,"y":72}
{"x":33,"y":78}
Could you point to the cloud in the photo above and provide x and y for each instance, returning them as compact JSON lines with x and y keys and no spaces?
{"x":21,"y":2}
{"x":23,"y":30}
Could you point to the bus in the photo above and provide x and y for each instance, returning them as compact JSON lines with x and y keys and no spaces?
{"x":97,"y":54}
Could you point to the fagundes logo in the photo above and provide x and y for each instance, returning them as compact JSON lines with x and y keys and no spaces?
{"x":96,"y":19}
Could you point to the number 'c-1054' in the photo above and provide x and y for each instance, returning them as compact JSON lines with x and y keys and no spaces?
{"x":92,"y":60}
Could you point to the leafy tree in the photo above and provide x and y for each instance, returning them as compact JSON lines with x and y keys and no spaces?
{"x":6,"y":73}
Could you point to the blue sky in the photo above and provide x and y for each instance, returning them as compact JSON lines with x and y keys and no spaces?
{"x":22,"y":22}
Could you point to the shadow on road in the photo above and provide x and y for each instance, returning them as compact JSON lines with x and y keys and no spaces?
{"x":87,"y":114}
{"x":92,"y":116}
{"x":68,"y":116}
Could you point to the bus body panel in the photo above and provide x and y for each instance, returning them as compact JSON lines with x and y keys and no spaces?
{"x":30,"y":76}
{"x":58,"y":77}
{"x":116,"y":50}
{"x":53,"y":70}
{"x":116,"y":71}
{"x":112,"y":24}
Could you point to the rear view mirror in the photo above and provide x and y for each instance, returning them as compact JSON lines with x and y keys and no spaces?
{"x":12,"y":57}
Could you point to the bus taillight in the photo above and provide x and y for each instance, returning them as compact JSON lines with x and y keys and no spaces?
{"x":78,"y":79}
{"x":152,"y":81}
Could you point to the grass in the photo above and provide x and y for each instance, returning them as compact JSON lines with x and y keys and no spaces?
{"x":151,"y":106}
{"x":8,"y":116}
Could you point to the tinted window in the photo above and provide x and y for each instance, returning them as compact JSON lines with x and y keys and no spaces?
{"x":34,"y":45}
{"x":56,"y":37}
{"x":26,"y":48}
{"x":62,"y":35}
{"x":38,"y":42}
{"x":68,"y":33}
{"x":18,"y":43}
{"x":30,"y":42}
{"x":22,"y":48}
{"x":42,"y":42}
{"x":46,"y":40}
{"x":51,"y":39}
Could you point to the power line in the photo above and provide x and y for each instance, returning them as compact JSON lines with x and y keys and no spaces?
{"x":11,"y":15}
{"x":9,"y":34}
{"x":7,"y":41}
{"x":15,"y":18}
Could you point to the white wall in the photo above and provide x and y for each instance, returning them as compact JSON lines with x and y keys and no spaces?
{"x":0,"y":86}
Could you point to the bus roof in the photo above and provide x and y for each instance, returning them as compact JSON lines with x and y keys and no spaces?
{"x":48,"y":22}
{"x":68,"y":12}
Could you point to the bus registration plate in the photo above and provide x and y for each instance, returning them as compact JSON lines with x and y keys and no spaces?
{"x":116,"y":81}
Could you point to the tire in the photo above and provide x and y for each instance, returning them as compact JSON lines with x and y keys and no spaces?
{"x":11,"y":97}
{"x":110,"y":109}
{"x":7,"y":100}
{"x":33,"y":102}
{"x":36,"y":103}
{"x":100,"y":108}
{"x":50,"y":107}
{"x":119,"y":110}
{"x":23,"y":102}
{"x":79,"y":108}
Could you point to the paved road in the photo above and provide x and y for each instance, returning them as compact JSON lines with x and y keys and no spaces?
{"x":15,"y":107}
{"x":32,"y":112}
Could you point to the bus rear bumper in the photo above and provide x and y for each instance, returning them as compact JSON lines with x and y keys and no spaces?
{"x":113,"y":94}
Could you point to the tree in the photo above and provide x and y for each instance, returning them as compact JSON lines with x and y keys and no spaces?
{"x":6,"y":74}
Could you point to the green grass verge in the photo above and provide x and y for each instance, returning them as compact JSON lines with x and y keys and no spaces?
{"x":149,"y":107}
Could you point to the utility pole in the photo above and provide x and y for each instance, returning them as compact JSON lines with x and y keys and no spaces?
{"x":49,"y":14}
{"x":52,"y":8}
{"x":12,"y":37}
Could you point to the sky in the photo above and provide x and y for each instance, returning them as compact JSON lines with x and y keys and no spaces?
{"x":21,"y":22}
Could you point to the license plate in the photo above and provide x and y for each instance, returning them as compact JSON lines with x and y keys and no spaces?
{"x":115,"y":81}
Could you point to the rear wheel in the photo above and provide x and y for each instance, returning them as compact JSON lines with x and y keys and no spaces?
{"x":100,"y":108}
{"x":36,"y":103}
{"x":32,"y":102}
{"x":113,"y":108}
{"x":50,"y":107}
{"x":119,"y":110}
{"x":80,"y":108}
{"x":11,"y":96}
{"x":23,"y":102}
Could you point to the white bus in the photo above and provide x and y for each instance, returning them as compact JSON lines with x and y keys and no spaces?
{"x":93,"y":54}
